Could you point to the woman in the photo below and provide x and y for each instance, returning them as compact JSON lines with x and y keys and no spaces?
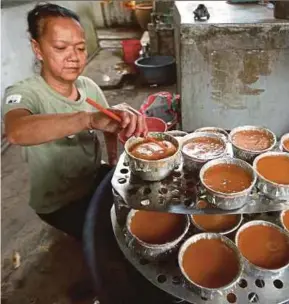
{"x":49,"y":116}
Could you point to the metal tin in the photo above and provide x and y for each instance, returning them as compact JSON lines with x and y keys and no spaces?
{"x":226,"y":232}
{"x":282,"y":221}
{"x":177,"y":134}
{"x":213,"y":130}
{"x":204,"y":291}
{"x":283,"y":138}
{"x":250,"y":267}
{"x":193,"y":164}
{"x":269,"y":188}
{"x":249,"y":155}
{"x":152,"y":252}
{"x":228,"y":201}
{"x":153,"y":170}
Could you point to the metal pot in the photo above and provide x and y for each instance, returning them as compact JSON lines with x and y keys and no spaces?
{"x":195,"y":164}
{"x":228,"y":201}
{"x":204,"y":291}
{"x":251,"y":268}
{"x":226,"y":232}
{"x":152,"y":170}
{"x":152,"y":252}
{"x":269,"y":188}
{"x":213,"y":130}
{"x":249,"y":155}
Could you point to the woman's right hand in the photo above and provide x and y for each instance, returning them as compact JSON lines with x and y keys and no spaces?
{"x":133,"y":123}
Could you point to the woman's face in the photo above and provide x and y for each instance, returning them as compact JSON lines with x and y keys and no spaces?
{"x":61,"y":48}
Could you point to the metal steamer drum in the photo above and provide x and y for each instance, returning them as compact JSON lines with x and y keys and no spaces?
{"x":179,"y":192}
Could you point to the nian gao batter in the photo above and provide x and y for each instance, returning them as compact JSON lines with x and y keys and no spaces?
{"x":156,"y":227}
{"x":252,"y":140}
{"x":286,"y":219}
{"x":153,"y":150}
{"x":210,"y":263}
{"x":274,"y":168}
{"x":215,"y":222}
{"x":204,"y":147}
{"x":264,"y":246}
{"x":227,"y":178}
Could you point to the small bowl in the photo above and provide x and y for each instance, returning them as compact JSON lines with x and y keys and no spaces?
{"x":153,"y":252}
{"x":252,"y":268}
{"x":249,"y":155}
{"x":282,"y":214}
{"x":270,"y":188}
{"x":152,"y":170}
{"x":205,"y":291}
{"x":228,"y":201}
{"x":194,"y":164}
{"x":224,"y":232}
{"x":284,"y":138}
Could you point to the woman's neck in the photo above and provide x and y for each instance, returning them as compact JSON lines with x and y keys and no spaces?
{"x":66,"y":89}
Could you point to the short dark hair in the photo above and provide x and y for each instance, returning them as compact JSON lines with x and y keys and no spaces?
{"x":40,"y":12}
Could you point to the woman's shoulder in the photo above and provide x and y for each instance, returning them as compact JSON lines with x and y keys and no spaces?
{"x":25,"y":86}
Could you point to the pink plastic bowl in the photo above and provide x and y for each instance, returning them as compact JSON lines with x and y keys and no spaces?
{"x":154,"y":125}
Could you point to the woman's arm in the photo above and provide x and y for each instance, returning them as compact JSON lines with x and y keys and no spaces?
{"x":23,"y":128}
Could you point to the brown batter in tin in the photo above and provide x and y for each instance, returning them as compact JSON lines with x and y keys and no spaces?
{"x":156,"y":227}
{"x":204,"y":148}
{"x":215,"y":222}
{"x":264,"y":246}
{"x":286,"y":219}
{"x":227,"y":178}
{"x":153,"y":150}
{"x":210,"y":263}
{"x":274,"y":168}
{"x":252,"y":140}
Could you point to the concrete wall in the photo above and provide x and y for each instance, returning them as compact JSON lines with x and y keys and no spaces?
{"x":234,"y":71}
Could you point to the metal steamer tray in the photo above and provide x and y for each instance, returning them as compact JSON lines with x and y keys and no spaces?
{"x":166,"y":275}
{"x":179,"y":193}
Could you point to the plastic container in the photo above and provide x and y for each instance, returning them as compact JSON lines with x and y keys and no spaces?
{"x":154,"y":124}
{"x":131,"y":49}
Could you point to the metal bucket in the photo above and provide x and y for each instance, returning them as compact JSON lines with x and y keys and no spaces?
{"x":152,"y":170}
{"x":228,"y":201}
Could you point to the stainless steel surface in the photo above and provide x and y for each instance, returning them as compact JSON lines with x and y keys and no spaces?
{"x":152,"y":252}
{"x":195,"y":164}
{"x":214,"y":130}
{"x":228,"y":201}
{"x":167,"y":276}
{"x":203,"y":291}
{"x":178,"y":193}
{"x":249,"y":155}
{"x":250,"y":267}
{"x":283,"y":138}
{"x":154,"y":170}
{"x":226,"y":232}
{"x":269,"y":188}
{"x":179,"y":135}
{"x":282,"y":221}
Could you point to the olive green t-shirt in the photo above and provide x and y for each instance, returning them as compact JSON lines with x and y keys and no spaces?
{"x":64,"y":170}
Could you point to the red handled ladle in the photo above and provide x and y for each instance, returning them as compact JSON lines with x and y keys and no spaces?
{"x":115,"y":117}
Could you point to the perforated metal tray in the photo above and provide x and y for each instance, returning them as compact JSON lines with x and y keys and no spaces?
{"x":178,"y":193}
{"x":167,"y":276}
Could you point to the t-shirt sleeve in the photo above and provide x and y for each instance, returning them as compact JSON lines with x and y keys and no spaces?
{"x":16,"y":97}
{"x":94,"y":92}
